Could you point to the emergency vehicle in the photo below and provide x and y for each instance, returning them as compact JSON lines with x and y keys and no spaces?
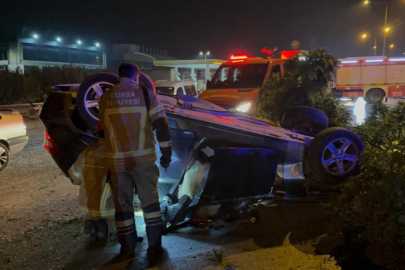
{"x":373,"y":77}
{"x":235,"y":85}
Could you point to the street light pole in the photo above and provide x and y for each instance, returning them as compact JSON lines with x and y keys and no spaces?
{"x":206,"y":66}
{"x":385,"y":27}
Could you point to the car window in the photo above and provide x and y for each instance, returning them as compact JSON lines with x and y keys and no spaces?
{"x":190,"y":90}
{"x":276,"y":70}
{"x":239,"y":76}
{"x":179,"y":91}
{"x":165,"y":90}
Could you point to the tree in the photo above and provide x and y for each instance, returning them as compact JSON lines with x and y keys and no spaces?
{"x":305,"y":83}
{"x":35,"y":84}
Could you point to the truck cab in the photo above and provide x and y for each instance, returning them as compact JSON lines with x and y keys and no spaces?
{"x":236,"y":84}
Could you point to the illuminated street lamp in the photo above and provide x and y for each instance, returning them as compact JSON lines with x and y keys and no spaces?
{"x":58,"y":39}
{"x":364,"y":36}
{"x":386,"y":28}
{"x":392,"y":46}
{"x":35,"y":36}
{"x":79,"y":42}
{"x":205,"y":61}
{"x":97,"y":44}
{"x":205,"y":56}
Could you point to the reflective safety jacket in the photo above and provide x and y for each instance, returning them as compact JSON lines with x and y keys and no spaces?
{"x":91,"y":173}
{"x":128,"y":115}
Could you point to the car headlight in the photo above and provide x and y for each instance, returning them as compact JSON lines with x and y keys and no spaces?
{"x":244,"y":107}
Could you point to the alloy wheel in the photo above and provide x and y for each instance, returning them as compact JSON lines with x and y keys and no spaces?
{"x":340,"y":156}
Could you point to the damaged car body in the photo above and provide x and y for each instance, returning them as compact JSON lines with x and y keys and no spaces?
{"x":223,"y":162}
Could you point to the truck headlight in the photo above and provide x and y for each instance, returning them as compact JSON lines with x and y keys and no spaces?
{"x":244,"y":107}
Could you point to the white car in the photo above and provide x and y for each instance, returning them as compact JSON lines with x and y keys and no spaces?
{"x":13,"y":135}
{"x":176,"y":88}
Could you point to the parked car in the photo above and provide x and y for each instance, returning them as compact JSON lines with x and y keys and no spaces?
{"x":223,"y":161}
{"x":13,"y":135}
{"x":176,"y":88}
{"x":71,"y":87}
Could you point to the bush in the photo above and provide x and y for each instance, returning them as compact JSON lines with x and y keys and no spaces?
{"x":383,"y":126}
{"x":34,"y":85}
{"x":305,"y":83}
{"x":371,"y":208}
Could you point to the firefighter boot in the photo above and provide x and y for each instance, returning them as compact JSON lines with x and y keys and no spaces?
{"x":102,"y":231}
{"x":128,"y":244}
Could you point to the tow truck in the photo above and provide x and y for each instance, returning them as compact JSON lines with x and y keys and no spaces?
{"x":235,"y":85}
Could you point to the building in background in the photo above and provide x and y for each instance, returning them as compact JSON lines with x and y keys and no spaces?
{"x":140,"y":55}
{"x":27,"y":52}
{"x":313,"y":44}
{"x":197,"y":70}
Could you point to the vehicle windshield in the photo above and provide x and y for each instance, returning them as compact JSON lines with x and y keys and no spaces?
{"x":165,"y":90}
{"x":239,"y":76}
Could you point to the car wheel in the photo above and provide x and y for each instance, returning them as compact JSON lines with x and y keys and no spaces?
{"x":305,"y":119}
{"x":92,"y":89}
{"x":4,"y":156}
{"x":375,"y":95}
{"x":333,"y":155}
{"x":89,"y":94}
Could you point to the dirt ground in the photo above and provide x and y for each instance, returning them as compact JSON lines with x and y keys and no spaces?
{"x":39,"y":217}
{"x":42,"y":229}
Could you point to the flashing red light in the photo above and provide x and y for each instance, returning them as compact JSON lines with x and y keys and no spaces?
{"x":50,"y":145}
{"x":289,"y":54}
{"x":239,"y":57}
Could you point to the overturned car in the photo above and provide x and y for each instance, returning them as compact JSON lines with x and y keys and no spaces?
{"x":223,"y":161}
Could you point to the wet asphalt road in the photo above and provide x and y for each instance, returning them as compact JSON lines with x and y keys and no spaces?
{"x":186,"y":248}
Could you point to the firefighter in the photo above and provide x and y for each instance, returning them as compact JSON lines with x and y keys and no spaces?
{"x":128,"y":116}
{"x":90,"y":172}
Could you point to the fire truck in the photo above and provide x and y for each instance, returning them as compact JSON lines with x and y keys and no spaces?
{"x":235,"y":85}
{"x":371,"y":77}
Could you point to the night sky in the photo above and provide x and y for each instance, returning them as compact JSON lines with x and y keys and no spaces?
{"x":222,"y":26}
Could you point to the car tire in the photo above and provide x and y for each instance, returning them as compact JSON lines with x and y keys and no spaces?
{"x":4,"y":156}
{"x":333,"y":156}
{"x":305,"y":119}
{"x":88,"y":95}
{"x":106,"y":80}
{"x":375,"y":95}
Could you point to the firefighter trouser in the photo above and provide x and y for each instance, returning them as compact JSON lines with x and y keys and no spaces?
{"x":144,"y":178}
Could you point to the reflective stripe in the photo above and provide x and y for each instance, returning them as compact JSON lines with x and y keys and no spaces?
{"x":104,"y":197}
{"x":125,"y":223}
{"x":142,"y":131}
{"x":156,"y":110}
{"x":152,"y":215}
{"x":74,"y":176}
{"x":93,"y":166}
{"x":73,"y":172}
{"x":165,"y":144}
{"x":125,"y":233}
{"x":131,"y":153}
{"x":93,"y":212}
